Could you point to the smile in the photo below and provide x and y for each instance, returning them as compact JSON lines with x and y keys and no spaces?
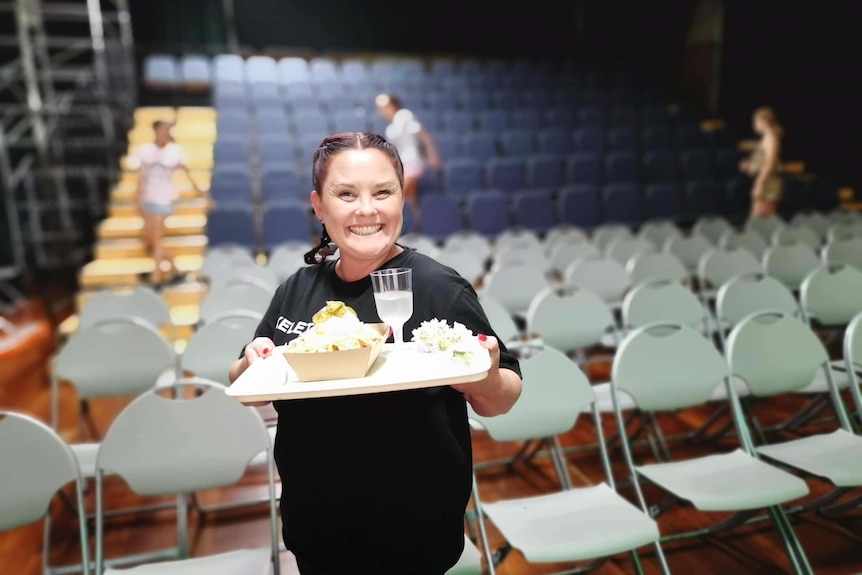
{"x":365,"y":230}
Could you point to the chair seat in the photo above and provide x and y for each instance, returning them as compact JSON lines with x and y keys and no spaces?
{"x":470,"y":562}
{"x":86,"y":454}
{"x":820,"y":385}
{"x":728,"y":482}
{"x":720,"y":393}
{"x":260,"y":458}
{"x":837,"y":456}
{"x":242,"y":562}
{"x":572,"y":525}
{"x":605,"y":403}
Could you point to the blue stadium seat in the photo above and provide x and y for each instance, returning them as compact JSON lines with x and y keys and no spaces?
{"x":579,"y":206}
{"x":293,"y":70}
{"x":525,"y":119}
{"x":559,"y":118}
{"x":232,"y":126}
{"x":656,"y":137}
{"x":517,"y":143}
{"x":474,"y":102}
{"x":727,"y":162}
{"x":286,"y":221}
{"x":506,"y":175}
{"x":590,"y":139}
{"x":448,"y":145}
{"x":662,"y":201}
{"x":695,"y":165}
{"x":701,"y":198}
{"x":312,"y":123}
{"x":196,"y":70}
{"x":535,"y":98}
{"x":534,"y":211}
{"x":622,"y":203}
{"x":231,"y":183}
{"x":621,"y":139}
{"x":505,"y":99}
{"x":229,"y":151}
{"x":463,"y":176}
{"x":545,"y":171}
{"x":272,"y":124}
{"x":261,"y":69}
{"x":228,"y":68}
{"x":479,"y":146}
{"x":584,"y":168}
{"x":555,"y":141}
{"x":231,"y":223}
{"x":659,"y":165}
{"x":339,"y":102}
{"x":621,"y":167}
{"x":457,"y":121}
{"x":161,"y":71}
{"x":689,"y":136}
{"x":354,"y":70}
{"x":431,"y":182}
{"x":494,"y":121}
{"x":622,"y":117}
{"x":653,"y":115}
{"x":441,"y":216}
{"x":349,"y":121}
{"x":281,"y":183}
{"x":323,"y":69}
{"x":591,"y":117}
{"x":487,"y":213}
{"x":737,"y":198}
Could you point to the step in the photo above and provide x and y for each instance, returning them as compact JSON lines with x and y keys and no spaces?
{"x":133,"y":227}
{"x":190,"y":293}
{"x":183,"y":207}
{"x":189,"y":264}
{"x":107,"y":273}
{"x":132,"y":248}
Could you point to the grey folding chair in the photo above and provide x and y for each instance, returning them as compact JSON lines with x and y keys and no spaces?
{"x":844,"y":250}
{"x":563,"y":235}
{"x":160,"y":446}
{"x":743,"y":295}
{"x":658,"y":232}
{"x":463,"y":260}
{"x":575,"y":524}
{"x":720,"y":265}
{"x":667,"y":367}
{"x":475,"y":243}
{"x":853,"y":354}
{"x":37,"y":463}
{"x":711,"y":227}
{"x":797,"y":233}
{"x":799,"y":353}
{"x":422,"y":244}
{"x":765,"y":226}
{"x":251,"y":272}
{"x":603,"y":276}
{"x":286,"y":259}
{"x":749,"y":240}
{"x":515,"y":286}
{"x":645,"y":267}
{"x":565,"y":254}
{"x":141,"y":302}
{"x":517,"y":237}
{"x":501,"y":320}
{"x":790,"y":263}
{"x":622,"y":250}
{"x":851,"y":228}
{"x":814,"y":220}
{"x":519,"y":253}
{"x":688,"y":249}
{"x":222,"y":258}
{"x":251,"y":295}
{"x":606,"y":233}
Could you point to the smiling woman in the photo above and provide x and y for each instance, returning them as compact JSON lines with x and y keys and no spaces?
{"x":409,"y":452}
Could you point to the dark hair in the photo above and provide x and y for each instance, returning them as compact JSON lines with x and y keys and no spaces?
{"x":330,"y":146}
{"x":159,"y":123}
{"x":389,"y":99}
{"x":336,"y":143}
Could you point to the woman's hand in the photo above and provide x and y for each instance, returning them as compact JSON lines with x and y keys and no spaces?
{"x":259,"y":348}
{"x":745,"y":166}
{"x":497,"y":393}
{"x":434,"y":162}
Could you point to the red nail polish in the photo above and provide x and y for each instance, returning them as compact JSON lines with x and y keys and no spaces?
{"x":266,"y":352}
{"x":483,"y":337}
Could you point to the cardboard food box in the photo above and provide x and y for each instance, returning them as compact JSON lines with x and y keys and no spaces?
{"x":347,"y":364}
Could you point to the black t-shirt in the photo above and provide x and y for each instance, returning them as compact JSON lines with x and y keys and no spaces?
{"x":388,"y":472}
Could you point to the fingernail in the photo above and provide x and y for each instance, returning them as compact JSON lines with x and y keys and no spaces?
{"x":266,"y":351}
{"x":483,"y":337}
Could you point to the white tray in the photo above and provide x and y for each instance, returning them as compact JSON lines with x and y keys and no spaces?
{"x":394,"y":370}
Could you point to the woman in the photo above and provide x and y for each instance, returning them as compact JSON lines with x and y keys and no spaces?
{"x":156,"y":191}
{"x":375,"y":484}
{"x":763,"y":165}
{"x":406,"y":134}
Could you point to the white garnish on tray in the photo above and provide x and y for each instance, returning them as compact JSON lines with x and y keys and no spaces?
{"x":436,"y":336}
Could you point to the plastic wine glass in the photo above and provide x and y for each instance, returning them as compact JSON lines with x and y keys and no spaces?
{"x":393,"y":296}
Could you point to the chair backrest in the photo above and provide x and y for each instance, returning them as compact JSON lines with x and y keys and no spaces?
{"x":501,"y":320}
{"x":420,"y":243}
{"x":36,"y":464}
{"x":472,"y":241}
{"x":622,"y":250}
{"x":517,"y":237}
{"x":747,"y":239}
{"x":719,"y":265}
{"x":773,"y":352}
{"x":462,"y":260}
{"x":744,"y":295}
{"x":604,"y":277}
{"x":141,"y":302}
{"x":563,"y":235}
{"x":285,"y":260}
{"x":248,"y":272}
{"x":662,"y":301}
{"x":797,"y":233}
{"x":232,"y":296}
{"x":605,"y":234}
{"x":688,"y":249}
{"x":645,"y":267}
{"x":114,"y":357}
{"x":844,"y":251}
{"x":569,"y":319}
{"x":711,"y":227}
{"x":665,"y":366}
{"x":832,"y":295}
{"x":853,"y":346}
{"x":223,"y":257}
{"x":765,"y":226}
{"x":216,"y":345}
{"x":161,"y":446}
{"x":790,"y":263}
{"x":565,"y":254}
{"x":657,"y":233}
{"x":514,"y":287}
{"x":521,"y":254}
{"x":554,"y":393}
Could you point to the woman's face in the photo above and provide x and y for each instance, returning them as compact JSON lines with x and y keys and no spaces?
{"x":759,"y":125}
{"x":386,"y":112}
{"x":361,"y":203}
{"x":163,"y":134}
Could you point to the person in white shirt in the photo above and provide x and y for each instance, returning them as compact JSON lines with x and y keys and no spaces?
{"x":414,"y":144}
{"x":157,"y":161}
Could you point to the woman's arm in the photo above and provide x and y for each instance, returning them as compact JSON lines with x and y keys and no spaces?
{"x":498,"y":392}
{"x":204,"y":192}
{"x":431,"y":153}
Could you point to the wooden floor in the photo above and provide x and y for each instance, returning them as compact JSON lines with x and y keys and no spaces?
{"x":833,"y":548}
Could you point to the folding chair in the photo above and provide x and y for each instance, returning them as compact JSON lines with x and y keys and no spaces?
{"x":37,"y":463}
{"x":836,"y":456}
{"x":161,"y":446}
{"x":667,"y":367}
{"x":574,"y":524}
{"x":237,"y":294}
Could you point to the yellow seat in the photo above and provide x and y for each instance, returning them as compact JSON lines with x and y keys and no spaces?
{"x":195,"y":113}
{"x":111,"y":249}
{"x":148,"y":115}
{"x":106,"y":273}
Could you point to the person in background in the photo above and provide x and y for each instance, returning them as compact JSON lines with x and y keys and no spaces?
{"x":157,"y":162}
{"x":407,"y":135}
{"x":764,"y":164}
{"x":375,"y":483}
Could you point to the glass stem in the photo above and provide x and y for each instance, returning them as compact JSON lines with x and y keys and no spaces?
{"x":398,"y":335}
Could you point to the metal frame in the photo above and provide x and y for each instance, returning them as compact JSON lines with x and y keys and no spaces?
{"x":69,"y":99}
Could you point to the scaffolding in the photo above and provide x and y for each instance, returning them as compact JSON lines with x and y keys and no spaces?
{"x":67,"y":98}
